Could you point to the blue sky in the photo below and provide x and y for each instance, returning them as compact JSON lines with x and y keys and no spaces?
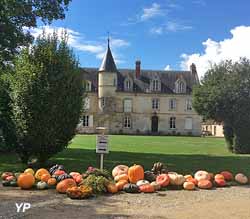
{"x":162,"y":34}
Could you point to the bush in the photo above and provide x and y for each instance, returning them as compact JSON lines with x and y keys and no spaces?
{"x":47,"y":98}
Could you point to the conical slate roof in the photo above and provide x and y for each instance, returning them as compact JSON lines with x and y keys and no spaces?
{"x":108,"y":63}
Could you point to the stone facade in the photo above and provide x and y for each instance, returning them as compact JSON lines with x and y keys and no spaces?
{"x":128,"y":101}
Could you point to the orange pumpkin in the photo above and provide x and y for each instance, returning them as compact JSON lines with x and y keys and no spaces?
{"x":45,"y":177}
{"x":201,"y":174}
{"x":220,"y":182}
{"x":193,"y":180}
{"x":121,"y":177}
{"x":120,"y":169}
{"x":112,"y":188}
{"x":64,"y":185}
{"x":135,"y":173}
{"x":188,"y":185}
{"x":40,"y":172}
{"x":163,"y":180}
{"x":227,"y":175}
{"x":147,"y":188}
{"x":188,"y":177}
{"x":219,"y":176}
{"x":120,"y":184}
{"x":51,"y":181}
{"x":205,"y":184}
{"x":26,"y":180}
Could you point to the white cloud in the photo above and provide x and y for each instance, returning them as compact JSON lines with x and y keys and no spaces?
{"x":173,"y":26}
{"x":77,"y":41}
{"x":156,"y":30}
{"x":167,"y":68}
{"x":153,"y":11}
{"x":232,"y":48}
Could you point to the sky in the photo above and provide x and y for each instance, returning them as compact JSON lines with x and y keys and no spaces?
{"x":163,"y":34}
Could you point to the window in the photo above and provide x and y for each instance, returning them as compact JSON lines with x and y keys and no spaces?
{"x":155,"y":84}
{"x":127,"y":122}
{"x":155,"y":104}
{"x":172,"y":121}
{"x":188,"y":104}
{"x":88,"y":86}
{"x":172,"y":104}
{"x":86,"y":103}
{"x":128,"y":84}
{"x":127,"y":105}
{"x":85,"y":121}
{"x":180,"y":86}
{"x":102,"y":102}
{"x":188,"y":123}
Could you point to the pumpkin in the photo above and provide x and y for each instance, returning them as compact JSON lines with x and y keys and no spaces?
{"x":42,"y":185}
{"x":188,"y":177}
{"x":6,"y":174}
{"x":79,"y":192}
{"x":45,"y":177}
{"x":142,"y":182}
{"x":228,"y":176}
{"x":220,"y":182}
{"x":40,"y":172}
{"x":155,"y":185}
{"x":63,"y":176}
{"x":120,"y":169}
{"x":56,"y":167}
{"x":74,"y":174}
{"x":10,"y":178}
{"x":78,"y":178}
{"x":241,"y":178}
{"x":131,"y":188}
{"x":62,"y":186}
{"x":201,"y":174}
{"x":29,"y":170}
{"x":188,"y":185}
{"x":26,"y":180}
{"x":59,"y":172}
{"x":193,"y":180}
{"x":121,"y":177}
{"x":176,"y":179}
{"x":163,"y":180}
{"x":147,"y":188}
{"x":135,"y":173}
{"x":205,"y":184}
{"x":120,"y":184}
{"x":112,"y":188}
{"x":219,"y":176}
{"x":51,"y":181}
{"x":149,"y":176}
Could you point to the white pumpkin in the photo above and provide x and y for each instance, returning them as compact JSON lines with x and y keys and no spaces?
{"x":42,"y":185}
{"x":142,"y":182}
{"x":241,"y":178}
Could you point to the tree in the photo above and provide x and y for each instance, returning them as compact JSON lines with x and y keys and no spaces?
{"x":46,"y":98}
{"x":224,"y":96}
{"x":15,"y":15}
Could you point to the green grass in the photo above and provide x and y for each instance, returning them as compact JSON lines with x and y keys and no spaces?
{"x":182,"y":154}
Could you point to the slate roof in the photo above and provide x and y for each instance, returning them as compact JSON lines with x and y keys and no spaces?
{"x":167,"y":78}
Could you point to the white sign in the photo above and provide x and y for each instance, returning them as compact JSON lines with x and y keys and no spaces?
{"x":102,"y":144}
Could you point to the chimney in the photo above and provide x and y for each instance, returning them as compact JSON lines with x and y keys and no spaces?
{"x":194,"y":72}
{"x":138,"y":69}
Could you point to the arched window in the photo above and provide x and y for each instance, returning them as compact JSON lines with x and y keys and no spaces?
{"x":180,"y":86}
{"x":155,"y":84}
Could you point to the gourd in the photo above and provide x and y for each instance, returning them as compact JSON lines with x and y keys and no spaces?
{"x":29,"y":170}
{"x":59,"y":172}
{"x":201,"y":174}
{"x":64,"y":185}
{"x":163,"y":180}
{"x":40,"y":172}
{"x":150,"y":176}
{"x":26,"y":180}
{"x":120,"y":169}
{"x":219,"y":176}
{"x":63,"y":176}
{"x":155,"y":185}
{"x":5,"y":183}
{"x":45,"y":177}
{"x":13,"y":183}
{"x":120,"y":184}
{"x":135,"y":173}
{"x":228,"y":176}
{"x":79,"y":192}
{"x":159,"y":168}
{"x":142,"y":182}
{"x":51,"y":182}
{"x":131,"y":188}
{"x":112,"y":188}
{"x":147,"y":188}
{"x":188,"y":186}
{"x":193,"y":180}
{"x":6,"y":174}
{"x":56,"y":167}
{"x":121,"y":177}
{"x":220,"y":182}
{"x":176,"y":179}
{"x":42,"y":185}
{"x":205,"y":184}
{"x":241,"y":178}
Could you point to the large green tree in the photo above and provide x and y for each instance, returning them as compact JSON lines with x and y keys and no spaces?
{"x":224,"y":96}
{"x":15,"y":15}
{"x":46,"y":94}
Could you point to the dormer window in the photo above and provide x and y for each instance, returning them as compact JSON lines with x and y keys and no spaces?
{"x":128,"y":84}
{"x":155,"y":84}
{"x":88,"y":86}
{"x":180,"y":86}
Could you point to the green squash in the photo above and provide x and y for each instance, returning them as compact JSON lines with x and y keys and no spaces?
{"x":5,"y":183}
{"x":13,"y":183}
{"x":149,"y":176}
{"x":131,"y":188}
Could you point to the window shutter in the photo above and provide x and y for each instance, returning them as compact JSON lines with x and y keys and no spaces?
{"x":91,"y":121}
{"x":188,"y":123}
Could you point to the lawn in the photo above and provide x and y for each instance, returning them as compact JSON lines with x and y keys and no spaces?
{"x":182,"y":154}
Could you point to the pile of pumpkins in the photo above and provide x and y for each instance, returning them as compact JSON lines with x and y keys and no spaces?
{"x":128,"y":179}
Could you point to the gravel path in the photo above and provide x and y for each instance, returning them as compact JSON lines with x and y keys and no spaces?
{"x":228,"y":203}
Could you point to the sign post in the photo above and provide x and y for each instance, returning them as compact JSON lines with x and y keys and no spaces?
{"x":101,"y":144}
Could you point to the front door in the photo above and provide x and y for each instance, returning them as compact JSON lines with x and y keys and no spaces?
{"x":154,"y":124}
